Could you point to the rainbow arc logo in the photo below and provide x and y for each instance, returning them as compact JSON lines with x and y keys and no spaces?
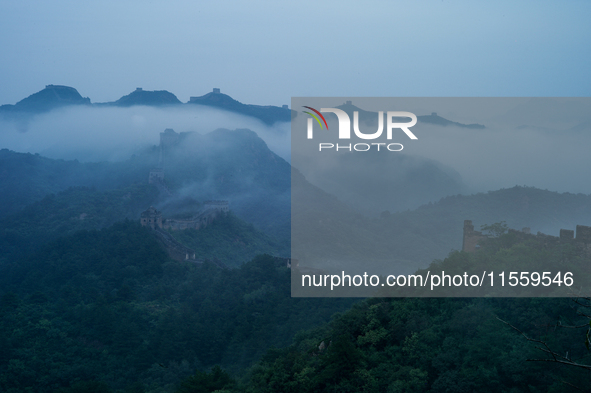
{"x":316,"y":117}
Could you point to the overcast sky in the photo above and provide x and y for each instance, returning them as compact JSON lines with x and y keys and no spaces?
{"x":265,"y":52}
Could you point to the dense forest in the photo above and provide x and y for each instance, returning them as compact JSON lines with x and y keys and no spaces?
{"x":109,"y":305}
{"x":446,"y":344}
{"x":107,"y":310}
{"x":430,"y":345}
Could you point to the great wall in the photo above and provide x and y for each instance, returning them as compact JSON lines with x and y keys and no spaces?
{"x":472,"y":238}
{"x":152,"y":218}
{"x":210,"y":211}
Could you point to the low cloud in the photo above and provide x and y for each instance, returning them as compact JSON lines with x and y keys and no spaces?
{"x":114,"y":134}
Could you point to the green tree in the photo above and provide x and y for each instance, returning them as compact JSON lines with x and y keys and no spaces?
{"x":202,"y":382}
{"x":496,"y":229}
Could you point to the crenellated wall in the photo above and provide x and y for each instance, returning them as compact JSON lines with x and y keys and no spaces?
{"x":212,"y":209}
{"x":472,"y":238}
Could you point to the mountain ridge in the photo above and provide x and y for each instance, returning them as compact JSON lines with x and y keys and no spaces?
{"x":51,"y":97}
{"x":58,"y":96}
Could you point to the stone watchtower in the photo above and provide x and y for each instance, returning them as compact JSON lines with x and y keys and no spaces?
{"x":471,"y":237}
{"x":156,"y":176}
{"x":151,"y":218}
{"x":222,"y":206}
{"x":567,"y":235}
{"x":583,"y":234}
{"x":168,"y":139}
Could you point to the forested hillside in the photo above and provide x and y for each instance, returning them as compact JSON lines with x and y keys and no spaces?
{"x":431,"y":345}
{"x":110,"y":306}
{"x":447,"y":344}
{"x":108,"y":310}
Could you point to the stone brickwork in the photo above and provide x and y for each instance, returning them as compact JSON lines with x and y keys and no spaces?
{"x":156,"y":176}
{"x":222,"y":206}
{"x":567,"y":234}
{"x":212,"y":210}
{"x":471,"y":237}
{"x":198,"y":221}
{"x":151,"y":218}
{"x":583,"y":234}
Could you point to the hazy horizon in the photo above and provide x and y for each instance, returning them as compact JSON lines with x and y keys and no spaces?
{"x":264,"y":52}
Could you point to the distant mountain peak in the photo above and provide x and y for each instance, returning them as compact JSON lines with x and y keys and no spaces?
{"x":51,"y":97}
{"x":433,"y":118}
{"x":55,"y":96}
{"x":216,"y":98}
{"x":146,"y":97}
{"x":268,"y":114}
